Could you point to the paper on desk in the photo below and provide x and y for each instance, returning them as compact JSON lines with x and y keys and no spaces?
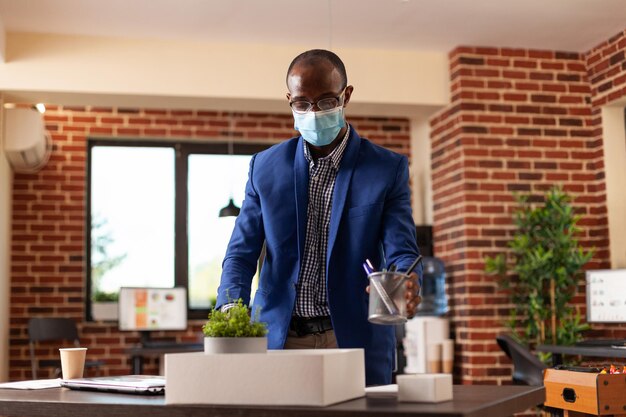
{"x":382,"y":390}
{"x":33,"y":384}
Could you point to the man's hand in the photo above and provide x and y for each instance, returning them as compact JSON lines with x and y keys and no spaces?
{"x":412,"y":295}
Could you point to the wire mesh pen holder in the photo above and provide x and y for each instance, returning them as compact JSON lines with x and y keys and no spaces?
{"x":387,"y":304}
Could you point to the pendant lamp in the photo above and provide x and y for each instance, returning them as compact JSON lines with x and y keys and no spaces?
{"x":230,"y":210}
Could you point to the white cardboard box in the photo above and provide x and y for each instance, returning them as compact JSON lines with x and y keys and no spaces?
{"x":316,"y":377}
{"x":427,"y":388}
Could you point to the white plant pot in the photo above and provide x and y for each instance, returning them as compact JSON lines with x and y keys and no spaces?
{"x":214,"y":345}
{"x":104,"y":310}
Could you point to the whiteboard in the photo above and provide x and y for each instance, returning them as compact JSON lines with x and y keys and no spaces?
{"x":606,"y":296}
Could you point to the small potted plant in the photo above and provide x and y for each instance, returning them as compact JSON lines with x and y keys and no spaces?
{"x":234,"y":331}
{"x":104,"y":305}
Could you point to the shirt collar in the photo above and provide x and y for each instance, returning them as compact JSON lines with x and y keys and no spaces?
{"x":335,"y":156}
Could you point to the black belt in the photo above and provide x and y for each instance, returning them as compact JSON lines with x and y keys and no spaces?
{"x":313,"y":325}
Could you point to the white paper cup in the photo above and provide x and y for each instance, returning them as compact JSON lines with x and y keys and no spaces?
{"x":72,"y":362}
{"x":433,"y":356}
{"x":447,"y":356}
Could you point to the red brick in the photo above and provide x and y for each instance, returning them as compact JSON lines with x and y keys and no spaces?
{"x":518,"y":63}
{"x":513,"y":52}
{"x":542,"y":76}
{"x":498,"y":62}
{"x":541,"y":54}
{"x":557,"y":88}
{"x":514,"y":74}
{"x":112,"y":120}
{"x":552,"y":65}
{"x":527,"y":86}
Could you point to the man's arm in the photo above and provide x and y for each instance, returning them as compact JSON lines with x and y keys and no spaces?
{"x":244,"y":248}
{"x":399,"y":240}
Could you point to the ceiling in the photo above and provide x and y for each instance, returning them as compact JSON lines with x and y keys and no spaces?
{"x":420,"y":25}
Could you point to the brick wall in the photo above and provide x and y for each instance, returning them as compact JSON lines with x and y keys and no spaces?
{"x":519,"y":121}
{"x":48,"y":269}
{"x":606,"y":66}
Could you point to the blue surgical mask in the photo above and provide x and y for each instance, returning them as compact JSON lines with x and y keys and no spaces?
{"x":319,"y":128}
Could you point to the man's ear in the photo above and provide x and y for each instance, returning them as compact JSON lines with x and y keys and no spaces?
{"x":347,"y":95}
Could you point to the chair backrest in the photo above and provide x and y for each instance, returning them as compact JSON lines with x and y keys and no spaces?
{"x":527,"y":368}
{"x":49,"y":329}
{"x":45,"y":328}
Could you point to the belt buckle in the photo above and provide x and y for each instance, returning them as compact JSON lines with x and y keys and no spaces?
{"x":303,"y":327}
{"x":315,"y":327}
{"x":299,"y":327}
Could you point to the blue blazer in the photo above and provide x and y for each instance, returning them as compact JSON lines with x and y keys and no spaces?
{"x":370,"y":219}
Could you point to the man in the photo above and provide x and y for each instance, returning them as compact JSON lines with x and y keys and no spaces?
{"x":323,"y":203}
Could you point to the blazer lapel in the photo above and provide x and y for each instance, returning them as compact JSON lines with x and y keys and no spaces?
{"x":301,"y":183}
{"x":342,"y":184}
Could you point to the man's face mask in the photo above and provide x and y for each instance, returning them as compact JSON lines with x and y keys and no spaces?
{"x":319,"y":128}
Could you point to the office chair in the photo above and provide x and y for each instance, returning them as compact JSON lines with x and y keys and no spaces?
{"x":53,"y":329}
{"x":527,"y":368}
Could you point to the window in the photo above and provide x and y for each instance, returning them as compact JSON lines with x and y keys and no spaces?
{"x":208,"y":234}
{"x":132,"y":203}
{"x":153,"y":215}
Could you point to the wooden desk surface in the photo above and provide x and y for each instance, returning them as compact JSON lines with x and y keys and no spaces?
{"x":469,"y":401}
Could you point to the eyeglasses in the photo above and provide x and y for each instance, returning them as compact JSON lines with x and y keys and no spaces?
{"x":329,"y":103}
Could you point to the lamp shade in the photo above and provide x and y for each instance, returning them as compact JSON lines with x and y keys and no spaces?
{"x":230,"y":210}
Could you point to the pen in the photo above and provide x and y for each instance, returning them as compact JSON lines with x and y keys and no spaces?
{"x":385,"y":298}
{"x":387,"y":301}
{"x":413,"y":265}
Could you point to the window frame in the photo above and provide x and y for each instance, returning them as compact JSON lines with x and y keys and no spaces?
{"x":182,"y":151}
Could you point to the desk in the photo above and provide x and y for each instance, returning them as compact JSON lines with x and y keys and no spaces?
{"x":590,"y":351}
{"x":138,"y":353}
{"x":469,"y":401}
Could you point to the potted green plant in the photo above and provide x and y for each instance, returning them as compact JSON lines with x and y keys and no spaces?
{"x":541,"y":271}
{"x":234,"y":331}
{"x":104,"y":305}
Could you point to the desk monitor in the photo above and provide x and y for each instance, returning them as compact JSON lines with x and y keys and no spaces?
{"x":606,"y":296}
{"x":145,"y":309}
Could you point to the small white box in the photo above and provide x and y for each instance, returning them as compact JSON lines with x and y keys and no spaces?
{"x":425,"y":388}
{"x":315,"y":377}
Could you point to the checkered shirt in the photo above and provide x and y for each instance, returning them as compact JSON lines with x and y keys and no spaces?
{"x":311,"y":300}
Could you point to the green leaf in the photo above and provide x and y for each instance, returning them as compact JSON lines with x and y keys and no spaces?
{"x":544,"y":249}
{"x":235,"y":322}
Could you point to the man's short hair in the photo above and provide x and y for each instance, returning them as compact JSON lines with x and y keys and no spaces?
{"x":314,"y":56}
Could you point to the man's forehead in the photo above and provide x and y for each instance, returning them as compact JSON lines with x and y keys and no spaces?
{"x":323,"y":75}
{"x":314,"y":69}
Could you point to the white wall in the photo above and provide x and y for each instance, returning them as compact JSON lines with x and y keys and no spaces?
{"x":421,"y":172}
{"x":2,"y":40}
{"x":5,"y":253}
{"x":614,"y":136}
{"x":71,"y":65}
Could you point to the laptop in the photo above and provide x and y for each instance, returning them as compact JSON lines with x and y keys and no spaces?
{"x":128,"y":384}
